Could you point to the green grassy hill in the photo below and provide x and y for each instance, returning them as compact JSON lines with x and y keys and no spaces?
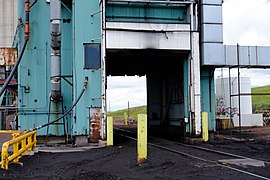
{"x":133,"y":112}
{"x":261,"y":101}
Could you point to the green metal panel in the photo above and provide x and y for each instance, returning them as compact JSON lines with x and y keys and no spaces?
{"x":129,"y":13}
{"x":34,"y":70}
{"x":208,"y":96}
{"x":186,"y":92}
{"x":86,"y":29}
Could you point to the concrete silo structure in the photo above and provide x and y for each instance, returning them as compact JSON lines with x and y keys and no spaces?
{"x":223,"y":92}
{"x":8,"y":21}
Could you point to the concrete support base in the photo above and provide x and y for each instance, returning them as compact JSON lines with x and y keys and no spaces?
{"x":81,"y":140}
{"x":193,"y":140}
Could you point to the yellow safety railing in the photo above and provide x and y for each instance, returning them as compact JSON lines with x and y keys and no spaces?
{"x":21,"y":144}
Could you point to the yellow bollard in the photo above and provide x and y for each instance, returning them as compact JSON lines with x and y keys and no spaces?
{"x":109,"y":131}
{"x":142,"y":138}
{"x":205,"y":126}
{"x":125,"y":118}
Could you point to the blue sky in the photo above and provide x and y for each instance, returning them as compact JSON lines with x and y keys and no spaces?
{"x":246,"y":22}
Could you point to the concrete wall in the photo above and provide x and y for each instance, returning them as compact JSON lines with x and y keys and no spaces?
{"x":8,"y":21}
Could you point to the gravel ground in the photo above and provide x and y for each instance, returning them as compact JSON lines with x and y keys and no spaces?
{"x":119,"y":162}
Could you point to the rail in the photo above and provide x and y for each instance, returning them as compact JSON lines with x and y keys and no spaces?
{"x":21,"y":145}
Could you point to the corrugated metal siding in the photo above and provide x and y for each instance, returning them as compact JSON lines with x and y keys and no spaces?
{"x":8,"y":21}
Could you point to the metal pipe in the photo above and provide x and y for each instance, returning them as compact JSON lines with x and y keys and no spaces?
{"x":239,"y":88}
{"x":55,"y":18}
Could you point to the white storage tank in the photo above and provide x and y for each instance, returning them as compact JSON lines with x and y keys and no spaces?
{"x":223,"y":94}
{"x":8,"y":21}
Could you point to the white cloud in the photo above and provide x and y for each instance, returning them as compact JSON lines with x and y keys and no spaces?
{"x":246,"y":22}
{"x":122,"y":90}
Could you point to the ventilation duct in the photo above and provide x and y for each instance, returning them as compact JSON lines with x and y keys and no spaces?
{"x":55,"y":18}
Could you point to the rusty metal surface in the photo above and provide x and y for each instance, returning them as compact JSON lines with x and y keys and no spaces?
{"x":8,"y":56}
{"x":95,"y":124}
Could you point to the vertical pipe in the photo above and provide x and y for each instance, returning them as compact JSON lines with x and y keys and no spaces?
{"x":230,"y":89}
{"x":239,"y":89}
{"x":128,"y":109}
{"x":55,"y":18}
{"x":103,"y":67}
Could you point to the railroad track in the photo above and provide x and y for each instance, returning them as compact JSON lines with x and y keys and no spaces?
{"x":194,"y":152}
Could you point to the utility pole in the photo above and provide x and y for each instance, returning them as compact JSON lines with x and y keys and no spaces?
{"x":128,"y":109}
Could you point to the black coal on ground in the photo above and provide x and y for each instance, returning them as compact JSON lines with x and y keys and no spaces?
{"x":117,"y":162}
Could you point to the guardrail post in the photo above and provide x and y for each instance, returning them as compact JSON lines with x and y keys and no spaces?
{"x":24,"y":146}
{"x":4,"y":157}
{"x":30,"y":141}
{"x":142,"y":138}
{"x":109,"y":131}
{"x":205,"y":126}
{"x":16,"y":151}
{"x":35,"y":139}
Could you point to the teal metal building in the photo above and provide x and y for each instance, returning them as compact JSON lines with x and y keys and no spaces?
{"x":172,"y":42}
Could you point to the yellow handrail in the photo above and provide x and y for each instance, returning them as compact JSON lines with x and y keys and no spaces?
{"x":20,"y":145}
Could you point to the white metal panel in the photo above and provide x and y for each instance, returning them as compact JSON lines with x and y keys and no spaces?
{"x":212,"y":33}
{"x":212,"y":54}
{"x":244,"y":55}
{"x":147,"y":26}
{"x":230,"y":55}
{"x":253,"y":55}
{"x":264,"y":56}
{"x":215,"y":2}
{"x":249,"y":120}
{"x":211,"y":14}
{"x":147,"y":40}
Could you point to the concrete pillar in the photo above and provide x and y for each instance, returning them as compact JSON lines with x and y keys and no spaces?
{"x":194,"y":83}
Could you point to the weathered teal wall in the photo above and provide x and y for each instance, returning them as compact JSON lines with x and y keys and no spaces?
{"x":86,"y":29}
{"x":34,"y":70}
{"x":208,"y":100}
{"x":132,"y":13}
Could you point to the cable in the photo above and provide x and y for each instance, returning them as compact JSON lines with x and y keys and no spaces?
{"x":33,"y":4}
{"x":14,"y":68}
{"x":66,"y":113}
